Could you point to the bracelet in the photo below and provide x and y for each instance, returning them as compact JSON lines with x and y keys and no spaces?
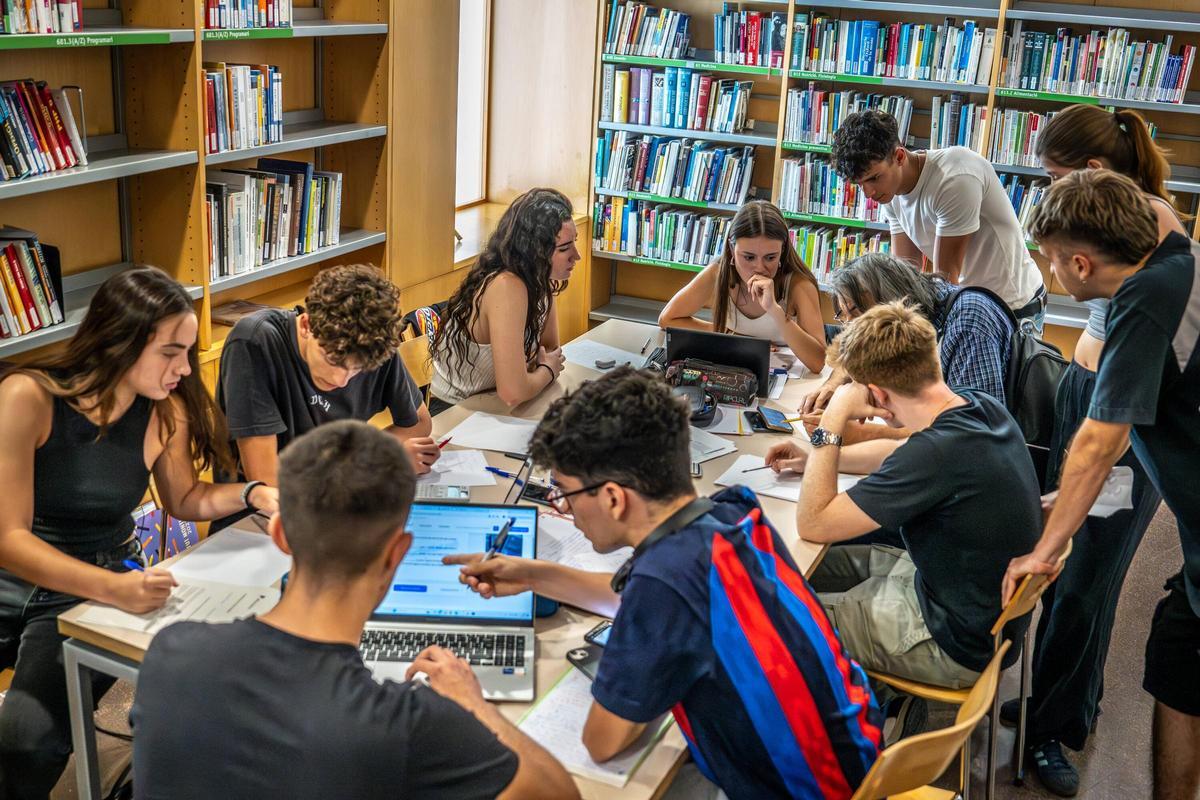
{"x":247,"y":489}
{"x":553,"y":377}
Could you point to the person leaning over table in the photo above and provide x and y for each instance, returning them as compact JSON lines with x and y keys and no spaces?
{"x":500,"y":328}
{"x":281,"y":705}
{"x":283,"y":373}
{"x":758,"y":287}
{"x":618,"y":449}
{"x":1101,"y":236}
{"x":81,"y":432}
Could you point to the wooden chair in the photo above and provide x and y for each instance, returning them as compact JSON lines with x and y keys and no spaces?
{"x":904,"y":770}
{"x":418,"y":361}
{"x":1022,"y":602}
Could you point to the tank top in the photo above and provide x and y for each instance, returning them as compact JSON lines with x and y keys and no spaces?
{"x":85,"y":489}
{"x":760,"y":327}
{"x":453,"y":381}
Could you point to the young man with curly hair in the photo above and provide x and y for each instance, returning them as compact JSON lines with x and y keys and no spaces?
{"x":284,"y":373}
{"x":694,"y":607}
{"x":946,"y":205}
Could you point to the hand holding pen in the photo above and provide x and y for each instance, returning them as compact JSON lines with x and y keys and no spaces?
{"x":500,"y":540}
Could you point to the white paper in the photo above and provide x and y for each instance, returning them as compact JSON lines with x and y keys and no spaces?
{"x":194,"y":601}
{"x":778,"y":381}
{"x":459,"y":468}
{"x":785,"y":485}
{"x":785,"y":358}
{"x":586,"y":353}
{"x":485,"y":431}
{"x":556,"y":723}
{"x":561,"y":542}
{"x":706,"y":446}
{"x":1116,"y":494}
{"x":237,"y":557}
{"x":728,"y":420}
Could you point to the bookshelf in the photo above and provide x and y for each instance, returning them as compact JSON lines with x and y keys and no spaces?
{"x":637,"y":287}
{"x":141,"y":198}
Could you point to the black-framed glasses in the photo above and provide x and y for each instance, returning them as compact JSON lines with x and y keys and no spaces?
{"x":557,"y":498}
{"x":842,"y":314}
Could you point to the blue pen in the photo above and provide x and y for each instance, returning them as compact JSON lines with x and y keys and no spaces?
{"x":500,"y":472}
{"x":133,"y":565}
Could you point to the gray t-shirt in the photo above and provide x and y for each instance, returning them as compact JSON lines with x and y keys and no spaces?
{"x":281,"y":716}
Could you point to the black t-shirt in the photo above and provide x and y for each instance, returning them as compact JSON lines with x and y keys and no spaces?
{"x":964,"y":496}
{"x":282,"y":716}
{"x":265,"y":387}
{"x":1149,"y":377}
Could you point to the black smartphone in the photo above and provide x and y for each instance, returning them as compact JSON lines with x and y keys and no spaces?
{"x":775,"y":421}
{"x":536,"y":493}
{"x":586,"y":659}
{"x":599,"y":634}
{"x":757,"y":423}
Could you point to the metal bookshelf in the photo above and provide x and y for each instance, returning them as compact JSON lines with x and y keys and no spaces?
{"x":653,"y":262}
{"x":698,"y":62}
{"x":900,"y":83}
{"x":348,"y":242}
{"x":984,"y":9}
{"x":302,"y":136}
{"x":839,"y":221}
{"x":77,"y":294}
{"x":675,"y":201}
{"x":306,"y":23}
{"x":102,"y":27}
{"x":102,"y":166}
{"x":764,"y":135}
{"x":1102,"y":16}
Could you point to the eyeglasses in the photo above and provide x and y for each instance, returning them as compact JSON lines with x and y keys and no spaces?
{"x":844,"y":314}
{"x":557,"y":498}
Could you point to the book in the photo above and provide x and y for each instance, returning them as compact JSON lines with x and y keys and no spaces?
{"x":678,"y":97}
{"x":639,"y":29}
{"x":230,"y":313}
{"x":810,"y":185}
{"x":243,"y":105}
{"x":246,"y":14}
{"x":41,"y":16}
{"x":813,"y":114}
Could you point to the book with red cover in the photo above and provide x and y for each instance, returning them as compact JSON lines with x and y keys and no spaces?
{"x":753,"y":37}
{"x":26,"y":296}
{"x":55,"y":124}
{"x":702,"y":99}
{"x":30,"y":95}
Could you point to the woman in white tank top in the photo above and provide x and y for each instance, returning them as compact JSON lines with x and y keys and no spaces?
{"x":758,"y":287}
{"x":499,"y":330}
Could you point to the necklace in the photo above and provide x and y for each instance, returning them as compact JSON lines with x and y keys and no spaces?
{"x":943,"y":407}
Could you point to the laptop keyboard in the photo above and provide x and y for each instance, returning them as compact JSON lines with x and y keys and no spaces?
{"x":480,"y":649}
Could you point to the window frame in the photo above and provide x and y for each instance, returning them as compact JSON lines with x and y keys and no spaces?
{"x":481,"y":194}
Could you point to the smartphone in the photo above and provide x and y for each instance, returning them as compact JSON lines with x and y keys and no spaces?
{"x":536,"y":493}
{"x":599,"y":634}
{"x":775,"y":421}
{"x":586,"y":659}
{"x":755,"y":420}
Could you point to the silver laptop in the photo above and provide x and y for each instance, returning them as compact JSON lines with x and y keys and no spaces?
{"x":427,"y":604}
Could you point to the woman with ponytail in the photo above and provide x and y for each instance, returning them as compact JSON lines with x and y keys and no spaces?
{"x":1078,"y":609}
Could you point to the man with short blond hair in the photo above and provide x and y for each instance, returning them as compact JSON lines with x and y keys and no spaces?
{"x":960,"y":491}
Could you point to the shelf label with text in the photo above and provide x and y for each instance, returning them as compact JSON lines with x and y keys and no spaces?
{"x":224,"y":34}
{"x":31,"y":41}
{"x":854,"y":223}
{"x":1030,"y":94}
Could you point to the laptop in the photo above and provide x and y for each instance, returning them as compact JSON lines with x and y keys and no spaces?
{"x":728,"y":349}
{"x":427,"y":604}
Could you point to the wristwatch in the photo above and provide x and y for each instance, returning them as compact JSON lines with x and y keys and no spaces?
{"x":247,"y":489}
{"x":821,"y":437}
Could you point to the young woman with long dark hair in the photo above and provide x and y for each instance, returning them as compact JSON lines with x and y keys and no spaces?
{"x":499,"y":330}
{"x":758,"y":287}
{"x":81,"y":432}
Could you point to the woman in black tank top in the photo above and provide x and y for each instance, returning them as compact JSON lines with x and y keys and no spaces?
{"x":80,"y":435}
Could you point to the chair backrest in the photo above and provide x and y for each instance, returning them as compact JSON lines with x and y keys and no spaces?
{"x":418,"y":361}
{"x":920,"y":760}
{"x":1026,"y":597}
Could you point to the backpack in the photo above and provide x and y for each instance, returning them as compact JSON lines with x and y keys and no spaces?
{"x":1031,"y":380}
{"x":809,"y":702}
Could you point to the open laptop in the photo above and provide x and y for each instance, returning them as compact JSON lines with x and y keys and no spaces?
{"x":728,"y":349}
{"x":427,"y":604}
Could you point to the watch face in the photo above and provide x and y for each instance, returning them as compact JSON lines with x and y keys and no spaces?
{"x":818,"y":437}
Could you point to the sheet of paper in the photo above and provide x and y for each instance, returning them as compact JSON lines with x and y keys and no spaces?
{"x":560,"y":541}
{"x":586,"y":353}
{"x":706,"y":446}
{"x":233,"y":556}
{"x":785,"y":486}
{"x":485,"y":431}
{"x":556,"y":723}
{"x":785,"y":358}
{"x":1116,"y":494}
{"x":459,"y":468}
{"x":193,"y":601}
{"x":778,"y":381}
{"x":729,"y":421}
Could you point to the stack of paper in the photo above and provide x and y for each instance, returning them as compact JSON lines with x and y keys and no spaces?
{"x":459,"y":468}
{"x":586,"y":353}
{"x":556,"y":723}
{"x":191,"y":601}
{"x":705,"y":446}
{"x":785,"y":485}
{"x":485,"y":431}
{"x":560,"y":541}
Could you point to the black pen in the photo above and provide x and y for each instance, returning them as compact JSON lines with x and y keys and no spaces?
{"x":498,"y":542}
{"x":647,"y":344}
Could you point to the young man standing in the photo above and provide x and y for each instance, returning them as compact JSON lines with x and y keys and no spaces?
{"x":283,"y":706}
{"x":283,"y":373}
{"x":946,"y":205}
{"x":1101,"y":236}
{"x":961,"y":492}
{"x":695,"y":612}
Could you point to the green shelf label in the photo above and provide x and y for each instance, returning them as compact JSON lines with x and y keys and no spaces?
{"x":809,"y":75}
{"x":224,"y":35}
{"x":811,"y":148}
{"x":654,"y":262}
{"x":31,"y":41}
{"x":854,"y":223}
{"x":1029,"y":94}
{"x":653,"y":198}
{"x":715,"y":66}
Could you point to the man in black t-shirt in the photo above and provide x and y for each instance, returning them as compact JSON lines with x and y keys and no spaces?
{"x":1101,"y":236}
{"x":283,"y":373}
{"x":283,"y":706}
{"x":961,"y":492}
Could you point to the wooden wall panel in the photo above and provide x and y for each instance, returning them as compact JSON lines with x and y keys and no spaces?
{"x":82,"y":222}
{"x":294,"y":57}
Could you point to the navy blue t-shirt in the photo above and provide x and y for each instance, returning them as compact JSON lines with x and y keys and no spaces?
{"x":661,"y":653}
{"x":1149,"y":377}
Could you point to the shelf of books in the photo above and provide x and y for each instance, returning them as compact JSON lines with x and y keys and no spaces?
{"x":682,"y":139}
{"x":234,"y":162}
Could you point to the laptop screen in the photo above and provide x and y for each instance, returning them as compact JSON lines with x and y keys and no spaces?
{"x":424,"y":587}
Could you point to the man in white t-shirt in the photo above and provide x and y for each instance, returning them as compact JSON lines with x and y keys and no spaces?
{"x":946,"y":205}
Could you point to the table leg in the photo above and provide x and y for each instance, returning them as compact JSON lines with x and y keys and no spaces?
{"x":83,"y":725}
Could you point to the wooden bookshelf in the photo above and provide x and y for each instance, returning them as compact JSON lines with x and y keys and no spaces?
{"x":637,"y":287}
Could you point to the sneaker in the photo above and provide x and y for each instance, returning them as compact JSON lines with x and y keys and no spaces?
{"x":1053,"y":770}
{"x":908,"y":716}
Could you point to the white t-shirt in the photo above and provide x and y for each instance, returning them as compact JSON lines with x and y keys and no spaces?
{"x":958,"y":193}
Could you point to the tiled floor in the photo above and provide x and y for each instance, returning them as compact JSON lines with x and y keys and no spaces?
{"x":1114,"y":766}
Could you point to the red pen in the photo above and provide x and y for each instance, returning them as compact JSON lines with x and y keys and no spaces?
{"x":444,"y":442}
